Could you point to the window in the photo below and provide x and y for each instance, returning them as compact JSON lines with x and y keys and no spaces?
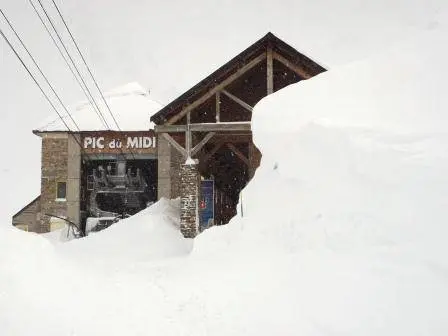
{"x":61,"y":190}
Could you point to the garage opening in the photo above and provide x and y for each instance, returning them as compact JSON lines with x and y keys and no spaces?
{"x":116,"y":186}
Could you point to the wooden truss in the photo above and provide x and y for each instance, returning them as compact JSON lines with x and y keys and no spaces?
{"x":211,"y":129}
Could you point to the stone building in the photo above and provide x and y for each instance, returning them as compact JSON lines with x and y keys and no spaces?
{"x":200,"y":149}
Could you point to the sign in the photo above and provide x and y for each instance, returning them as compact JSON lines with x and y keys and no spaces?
{"x":207,"y":204}
{"x":118,"y":142}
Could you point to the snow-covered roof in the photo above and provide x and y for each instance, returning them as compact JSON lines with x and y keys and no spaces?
{"x":130,"y":105}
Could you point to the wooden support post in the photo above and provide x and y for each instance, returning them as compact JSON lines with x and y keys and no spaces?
{"x":270,"y":71}
{"x":188,"y":136}
{"x":218,"y":107}
{"x":237,"y":100}
{"x":238,"y":153}
{"x":175,"y":144}
{"x":201,"y":143}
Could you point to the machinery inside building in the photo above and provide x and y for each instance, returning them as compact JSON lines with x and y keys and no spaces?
{"x":115,"y":187}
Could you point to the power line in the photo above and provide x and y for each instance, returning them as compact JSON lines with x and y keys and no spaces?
{"x":40,"y":70}
{"x":66,"y":61}
{"x":85,"y":63}
{"x":38,"y":85}
{"x":90,"y":72}
{"x":73,"y":63}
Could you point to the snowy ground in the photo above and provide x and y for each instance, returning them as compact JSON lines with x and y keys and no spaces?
{"x":355,"y":244}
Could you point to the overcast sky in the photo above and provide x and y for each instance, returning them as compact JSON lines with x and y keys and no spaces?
{"x":168,"y":46}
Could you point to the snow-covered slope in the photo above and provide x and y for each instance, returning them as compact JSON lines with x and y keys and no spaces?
{"x":130,"y":106}
{"x":353,"y":242}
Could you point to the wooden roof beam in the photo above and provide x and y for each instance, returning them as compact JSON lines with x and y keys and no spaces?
{"x":210,"y":154}
{"x":201,"y":143}
{"x":175,"y":144}
{"x":238,"y":100}
{"x":237,"y":152}
{"x":205,"y":127}
{"x":298,"y":70}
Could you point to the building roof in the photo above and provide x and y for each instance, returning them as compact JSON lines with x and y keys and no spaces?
{"x":130,"y":105}
{"x":37,"y":199}
{"x":230,"y":67}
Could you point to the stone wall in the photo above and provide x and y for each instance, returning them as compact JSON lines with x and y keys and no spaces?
{"x":73,"y":178}
{"x":189,"y":195}
{"x":27,"y":217}
{"x":169,"y":163}
{"x":53,"y":169}
{"x":177,"y":160}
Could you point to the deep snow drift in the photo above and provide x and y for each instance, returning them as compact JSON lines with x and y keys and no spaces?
{"x":352,"y":242}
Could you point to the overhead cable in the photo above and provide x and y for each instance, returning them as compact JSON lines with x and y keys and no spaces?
{"x":100,"y":115}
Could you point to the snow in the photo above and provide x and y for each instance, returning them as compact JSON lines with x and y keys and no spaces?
{"x":353,"y":242}
{"x":130,"y":106}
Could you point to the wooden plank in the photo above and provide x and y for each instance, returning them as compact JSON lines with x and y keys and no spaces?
{"x":205,"y":127}
{"x":298,"y":70}
{"x":218,"y":106}
{"x":238,"y":153}
{"x":217,"y":88}
{"x":175,"y":144}
{"x":232,"y":137}
{"x":170,"y":128}
{"x":217,"y":127}
{"x":201,"y":143}
{"x":238,"y":100}
{"x":270,"y":72}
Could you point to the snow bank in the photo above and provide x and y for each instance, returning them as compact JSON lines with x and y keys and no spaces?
{"x":352,"y":242}
{"x":152,"y":234}
{"x":355,"y":234}
{"x":130,"y":104}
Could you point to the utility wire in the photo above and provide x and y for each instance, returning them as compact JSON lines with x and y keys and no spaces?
{"x":38,"y":85}
{"x":90,"y":72}
{"x":73,"y":62}
{"x":85,"y":63}
{"x":66,"y":61}
{"x":40,"y":70}
{"x":45,"y":78}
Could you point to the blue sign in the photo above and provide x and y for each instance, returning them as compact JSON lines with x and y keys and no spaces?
{"x":207,"y":204}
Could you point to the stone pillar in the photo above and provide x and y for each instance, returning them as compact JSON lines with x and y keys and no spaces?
{"x":189,"y":195}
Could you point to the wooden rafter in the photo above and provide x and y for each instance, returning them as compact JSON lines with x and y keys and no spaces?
{"x":201,"y":143}
{"x":238,"y":153}
{"x":217,"y":88}
{"x":238,"y":100}
{"x":298,"y":70}
{"x":175,"y":144}
{"x":209,"y":155}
